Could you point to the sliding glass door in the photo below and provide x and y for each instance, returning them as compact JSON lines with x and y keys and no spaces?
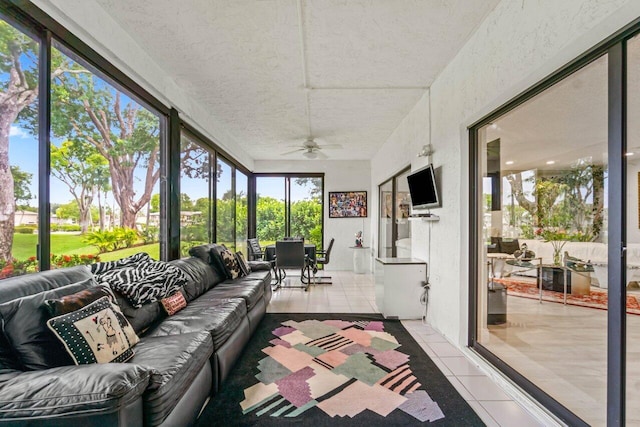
{"x":556,"y":249}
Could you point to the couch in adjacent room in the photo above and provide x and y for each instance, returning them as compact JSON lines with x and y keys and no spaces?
{"x":179,"y":362}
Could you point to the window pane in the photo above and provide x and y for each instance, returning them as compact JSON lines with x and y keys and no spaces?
{"x":225,"y":207}
{"x":105,"y":166}
{"x":544,"y":184}
{"x":633,"y":230}
{"x":241,"y":212}
{"x":18,"y":152}
{"x":385,"y":233}
{"x":195,"y":200}
{"x":306,"y":209}
{"x":270,"y":221}
{"x":403,"y":225}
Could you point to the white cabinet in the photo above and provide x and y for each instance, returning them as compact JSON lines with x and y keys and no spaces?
{"x":399,"y":287}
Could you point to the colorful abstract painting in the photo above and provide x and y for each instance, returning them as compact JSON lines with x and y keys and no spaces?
{"x":340,"y":367}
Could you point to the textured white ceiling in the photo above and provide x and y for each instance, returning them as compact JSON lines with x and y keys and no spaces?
{"x":269,"y":69}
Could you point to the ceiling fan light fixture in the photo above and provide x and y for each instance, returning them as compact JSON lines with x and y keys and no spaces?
{"x":310,"y":154}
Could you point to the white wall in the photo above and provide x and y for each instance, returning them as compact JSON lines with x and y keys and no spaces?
{"x":89,"y":22}
{"x":339,"y":176}
{"x":518,"y":44}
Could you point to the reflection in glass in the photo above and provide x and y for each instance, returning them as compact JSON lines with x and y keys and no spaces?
{"x":633,"y":231}
{"x":544,"y":185}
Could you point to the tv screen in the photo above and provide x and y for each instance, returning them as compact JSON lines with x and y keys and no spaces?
{"x":423,"y":189}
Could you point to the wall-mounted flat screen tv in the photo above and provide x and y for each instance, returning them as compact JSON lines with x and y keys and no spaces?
{"x":423,"y":188}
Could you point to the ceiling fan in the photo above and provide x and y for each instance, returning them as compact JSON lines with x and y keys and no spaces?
{"x":311,"y":150}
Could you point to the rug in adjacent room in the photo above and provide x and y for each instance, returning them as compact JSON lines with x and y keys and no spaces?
{"x":336,"y":369}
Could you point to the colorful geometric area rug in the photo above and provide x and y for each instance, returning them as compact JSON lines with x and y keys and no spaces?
{"x":335,"y":370}
{"x":597,"y":298}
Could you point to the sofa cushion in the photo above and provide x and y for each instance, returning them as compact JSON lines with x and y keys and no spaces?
{"x":29,"y":284}
{"x":259,"y":265}
{"x":220,"y":317}
{"x":175,"y":362}
{"x":24,"y":326}
{"x":245,"y":268}
{"x":231,"y":266}
{"x":97,"y":333}
{"x":70,"y":390}
{"x":73,"y":302}
{"x":202,"y":276}
{"x":145,"y":282}
{"x":509,"y":246}
{"x":174,"y":303}
{"x":249,"y":289}
{"x":211,"y":255}
{"x":140,"y":318}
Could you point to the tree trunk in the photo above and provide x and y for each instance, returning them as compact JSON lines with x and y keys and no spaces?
{"x":101,"y":210}
{"x":8,"y":113}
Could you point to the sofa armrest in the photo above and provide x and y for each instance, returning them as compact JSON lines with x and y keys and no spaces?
{"x":259,"y":265}
{"x":71,"y":390}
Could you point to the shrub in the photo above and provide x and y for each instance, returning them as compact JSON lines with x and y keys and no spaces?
{"x":18,"y":268}
{"x":103,"y":240}
{"x":25,"y":229}
{"x":61,"y":261}
{"x":150,"y":234}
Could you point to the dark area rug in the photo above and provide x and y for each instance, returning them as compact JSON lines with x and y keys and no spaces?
{"x":335,"y":370}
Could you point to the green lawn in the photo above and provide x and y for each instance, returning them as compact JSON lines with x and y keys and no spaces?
{"x":24,"y":246}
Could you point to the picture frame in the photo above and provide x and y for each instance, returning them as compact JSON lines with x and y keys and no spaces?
{"x":348,"y":204}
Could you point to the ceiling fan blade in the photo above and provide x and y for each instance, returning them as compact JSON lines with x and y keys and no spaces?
{"x":330,"y":146}
{"x":321,"y":155}
{"x":292,"y":151}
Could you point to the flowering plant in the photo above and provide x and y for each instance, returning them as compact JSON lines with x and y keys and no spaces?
{"x":16,"y":267}
{"x":558,"y":238}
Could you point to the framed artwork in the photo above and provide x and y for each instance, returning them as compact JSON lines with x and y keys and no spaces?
{"x":347,"y":204}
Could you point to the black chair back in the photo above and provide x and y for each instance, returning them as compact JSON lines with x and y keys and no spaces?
{"x":327,"y":254}
{"x":255,"y":251}
{"x":290,"y":254}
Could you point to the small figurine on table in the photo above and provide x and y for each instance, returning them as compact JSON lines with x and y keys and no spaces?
{"x":359,"y":239}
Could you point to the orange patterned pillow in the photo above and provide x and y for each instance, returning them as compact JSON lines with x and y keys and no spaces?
{"x":174,"y":303}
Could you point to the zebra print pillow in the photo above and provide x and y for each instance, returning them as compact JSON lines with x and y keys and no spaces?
{"x":145,"y":282}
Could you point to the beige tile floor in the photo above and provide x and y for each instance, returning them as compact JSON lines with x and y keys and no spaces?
{"x":354,"y":293}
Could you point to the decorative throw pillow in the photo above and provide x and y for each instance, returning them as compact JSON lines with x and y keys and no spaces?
{"x":145,"y":282}
{"x":73,"y":302}
{"x":243,"y":264}
{"x":230,"y":264}
{"x":97,"y":333}
{"x":216,"y":260}
{"x":102,"y":267}
{"x":23,"y":323}
{"x":174,"y":303}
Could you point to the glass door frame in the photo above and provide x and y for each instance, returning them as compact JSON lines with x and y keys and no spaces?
{"x":615,"y":48}
{"x":394,"y":210}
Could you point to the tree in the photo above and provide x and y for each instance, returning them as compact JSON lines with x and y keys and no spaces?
{"x":17,"y":91}
{"x":21,"y":182}
{"x":84,"y":171}
{"x":315,"y":192}
{"x":155,"y":203}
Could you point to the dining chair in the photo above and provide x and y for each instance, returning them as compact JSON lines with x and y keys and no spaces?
{"x":255,"y":251}
{"x":323,"y":258}
{"x":290,"y":255}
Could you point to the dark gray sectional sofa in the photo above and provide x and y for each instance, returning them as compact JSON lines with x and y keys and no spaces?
{"x":179,"y":362}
